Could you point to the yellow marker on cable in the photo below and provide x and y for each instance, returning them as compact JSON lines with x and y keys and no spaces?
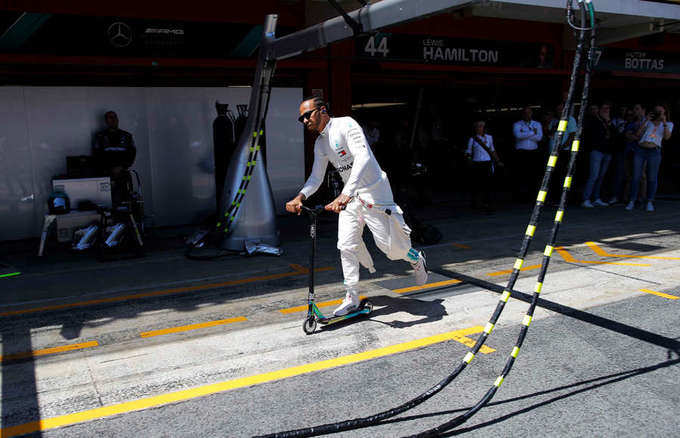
{"x":518,"y":264}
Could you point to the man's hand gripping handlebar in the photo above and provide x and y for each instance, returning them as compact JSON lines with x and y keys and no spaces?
{"x":295,"y":205}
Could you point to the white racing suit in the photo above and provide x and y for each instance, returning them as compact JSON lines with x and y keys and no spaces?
{"x":343,"y":143}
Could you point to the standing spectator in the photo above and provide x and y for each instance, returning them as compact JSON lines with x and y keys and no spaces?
{"x":599,"y":136}
{"x":481,"y":151}
{"x":619,"y":121}
{"x":656,"y":129}
{"x":631,"y":138}
{"x":527,"y":134}
{"x":563,"y":151}
{"x":621,"y":157}
{"x":547,"y":120}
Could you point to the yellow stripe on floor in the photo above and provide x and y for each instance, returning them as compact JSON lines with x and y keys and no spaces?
{"x":661,"y":294}
{"x":297,"y":271}
{"x":426,"y":286}
{"x":45,"y":351}
{"x":570,"y":259}
{"x":186,"y":328}
{"x":201,"y":391}
{"x":599,"y":251}
{"x":509,"y":271}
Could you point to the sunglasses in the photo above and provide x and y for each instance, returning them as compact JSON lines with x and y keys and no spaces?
{"x":306,"y":116}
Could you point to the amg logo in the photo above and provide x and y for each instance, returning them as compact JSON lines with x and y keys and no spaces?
{"x":153,"y":30}
{"x":344,"y":168}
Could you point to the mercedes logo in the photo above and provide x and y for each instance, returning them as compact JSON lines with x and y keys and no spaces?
{"x":120,"y":34}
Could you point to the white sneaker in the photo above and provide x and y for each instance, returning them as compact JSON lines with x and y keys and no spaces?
{"x":614,"y":200}
{"x":420,"y":269}
{"x":600,"y":203}
{"x":650,"y":206}
{"x":587,"y":204}
{"x":350,"y":303}
{"x":630,"y":205}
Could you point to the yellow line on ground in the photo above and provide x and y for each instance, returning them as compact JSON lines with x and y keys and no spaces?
{"x":661,"y":294}
{"x":460,"y":245}
{"x":319,"y":304}
{"x":160,"y":292}
{"x":471,"y":343}
{"x":201,"y":391}
{"x":570,"y":259}
{"x":186,"y":328}
{"x":599,"y":251}
{"x":508,"y":271}
{"x":425,"y":286}
{"x":45,"y":351}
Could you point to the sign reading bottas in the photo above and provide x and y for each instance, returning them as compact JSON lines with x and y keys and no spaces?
{"x":642,"y":61}
{"x":441,"y":50}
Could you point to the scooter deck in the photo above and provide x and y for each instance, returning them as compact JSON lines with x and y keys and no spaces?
{"x":334,"y":319}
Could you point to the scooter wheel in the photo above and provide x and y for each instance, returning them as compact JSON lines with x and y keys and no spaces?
{"x":309,"y":325}
{"x":365,"y":304}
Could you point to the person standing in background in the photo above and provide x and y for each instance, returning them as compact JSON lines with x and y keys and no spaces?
{"x":564,"y":152}
{"x":657,"y":129}
{"x":631,"y":138}
{"x":114,"y":153}
{"x":481,"y":151}
{"x":621,"y":157}
{"x":599,"y":136}
{"x":528,"y":157}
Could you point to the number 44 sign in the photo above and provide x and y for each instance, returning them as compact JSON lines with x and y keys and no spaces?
{"x":380,"y":48}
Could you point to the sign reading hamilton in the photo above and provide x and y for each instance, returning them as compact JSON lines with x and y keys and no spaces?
{"x":439,"y":50}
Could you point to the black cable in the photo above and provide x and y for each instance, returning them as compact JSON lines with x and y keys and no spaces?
{"x":462,"y":418}
{"x":351,"y":22}
{"x":375,"y":419}
{"x":570,"y":16}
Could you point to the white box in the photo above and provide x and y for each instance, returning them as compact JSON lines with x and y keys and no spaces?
{"x":97,"y":190}
{"x":68,"y":223}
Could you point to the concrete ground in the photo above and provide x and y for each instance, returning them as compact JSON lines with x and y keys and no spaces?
{"x":165,"y":346}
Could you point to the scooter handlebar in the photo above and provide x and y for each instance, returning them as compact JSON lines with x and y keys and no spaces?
{"x":312,"y":211}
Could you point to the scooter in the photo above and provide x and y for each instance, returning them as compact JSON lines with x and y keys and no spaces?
{"x":314,"y":315}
